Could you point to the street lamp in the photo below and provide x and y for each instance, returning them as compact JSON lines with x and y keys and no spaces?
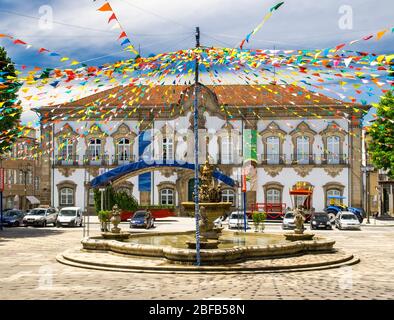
{"x":25,"y":169}
{"x":367,"y":169}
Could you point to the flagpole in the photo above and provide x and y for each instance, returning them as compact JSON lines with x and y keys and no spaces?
{"x":196,"y":167}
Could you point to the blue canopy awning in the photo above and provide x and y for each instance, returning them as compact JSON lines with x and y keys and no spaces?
{"x":114,"y":174}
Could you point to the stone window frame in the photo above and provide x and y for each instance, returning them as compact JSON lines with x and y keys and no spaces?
{"x":166,"y":131}
{"x":273,"y":130}
{"x":167,"y":185}
{"x":332,"y":131}
{"x":123,"y":184}
{"x":226,"y":131}
{"x":67,"y":133}
{"x":124,"y":131}
{"x":302,"y":130}
{"x":95,"y":132}
{"x":273,"y":185}
{"x":332,"y":185}
{"x":66,"y":184}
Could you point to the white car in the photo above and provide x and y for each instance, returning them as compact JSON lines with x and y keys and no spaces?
{"x":220,"y":222}
{"x":288,"y":220}
{"x":69,"y":216}
{"x":40,"y":217}
{"x":236,"y":220}
{"x":347,"y":220}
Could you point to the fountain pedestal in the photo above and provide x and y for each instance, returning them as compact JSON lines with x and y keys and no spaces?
{"x":209,"y":212}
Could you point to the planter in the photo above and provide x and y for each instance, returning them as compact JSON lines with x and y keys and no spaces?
{"x":124,"y":215}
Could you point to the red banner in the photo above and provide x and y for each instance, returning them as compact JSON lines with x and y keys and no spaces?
{"x":1,"y":179}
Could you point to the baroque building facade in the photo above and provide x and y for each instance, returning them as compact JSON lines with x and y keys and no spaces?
{"x":296,"y":136}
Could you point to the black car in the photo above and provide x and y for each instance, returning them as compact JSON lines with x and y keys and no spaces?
{"x":320,"y":220}
{"x":13,"y":218}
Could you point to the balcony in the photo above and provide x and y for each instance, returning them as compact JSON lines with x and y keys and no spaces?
{"x":334,"y":159}
{"x":119,"y":160}
{"x":96,"y":160}
{"x":303,"y":158}
{"x":272,"y":159}
{"x":67,"y":160}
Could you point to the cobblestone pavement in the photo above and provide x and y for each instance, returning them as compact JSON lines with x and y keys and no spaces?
{"x":29,"y":271}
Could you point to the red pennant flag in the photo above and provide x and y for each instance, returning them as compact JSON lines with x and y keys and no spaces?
{"x":112,"y":17}
{"x":122,"y":35}
{"x":17,"y":41}
{"x":105,"y":7}
{"x":340,"y":46}
{"x":42,"y":50}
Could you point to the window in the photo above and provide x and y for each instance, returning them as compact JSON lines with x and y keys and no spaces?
{"x":95,"y":149}
{"x":125,"y":190}
{"x":273,"y":150}
{"x":333,"y":193}
{"x":66,"y":196}
{"x":124,"y":150}
{"x":227,"y":150}
{"x":168,"y":149}
{"x":333,"y":149}
{"x":29,"y":176}
{"x":273,"y":196}
{"x":166,"y":197}
{"x":66,"y":151}
{"x":11,"y":179}
{"x":228,"y":196}
{"x":302,"y":154}
{"x":21,"y":178}
{"x":91,"y":197}
{"x":36,"y":183}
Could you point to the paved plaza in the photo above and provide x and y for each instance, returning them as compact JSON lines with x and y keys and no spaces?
{"x":29,"y":270}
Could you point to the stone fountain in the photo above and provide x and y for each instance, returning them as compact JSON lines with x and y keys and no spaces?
{"x":210,"y":208}
{"x":299,"y":234}
{"x":115,"y":233}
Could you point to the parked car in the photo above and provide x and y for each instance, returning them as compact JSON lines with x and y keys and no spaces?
{"x":219,"y":222}
{"x":143,"y":219}
{"x":347,"y":220}
{"x":288,"y":220}
{"x":40,"y":217}
{"x":69,"y":216}
{"x":13,"y":218}
{"x":236,"y":220}
{"x":336,"y":207}
{"x":320,"y":220}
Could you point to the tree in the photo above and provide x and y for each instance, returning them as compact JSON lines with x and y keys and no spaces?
{"x":10,"y":109}
{"x":122,"y":199}
{"x":382,"y":134}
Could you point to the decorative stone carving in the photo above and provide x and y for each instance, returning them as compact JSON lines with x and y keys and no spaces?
{"x":167,"y":172}
{"x":273,"y":171}
{"x":333,"y":171}
{"x":66,"y":171}
{"x":93,"y":171}
{"x":302,"y":170}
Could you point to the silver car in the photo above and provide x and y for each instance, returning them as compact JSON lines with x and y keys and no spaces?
{"x":40,"y":217}
{"x":288,"y":220}
{"x":347,"y":220}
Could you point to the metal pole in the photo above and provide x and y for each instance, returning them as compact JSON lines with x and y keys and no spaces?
{"x":367,"y":193}
{"x":1,"y":210}
{"x":196,"y":182}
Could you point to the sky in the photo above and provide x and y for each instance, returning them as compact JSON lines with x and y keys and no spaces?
{"x":77,"y":30}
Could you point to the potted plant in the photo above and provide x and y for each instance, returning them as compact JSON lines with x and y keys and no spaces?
{"x":263,"y":216}
{"x":256,"y":216}
{"x":104,"y":217}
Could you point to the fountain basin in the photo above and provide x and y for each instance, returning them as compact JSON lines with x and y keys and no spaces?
{"x":225,"y":255}
{"x":299,"y":236}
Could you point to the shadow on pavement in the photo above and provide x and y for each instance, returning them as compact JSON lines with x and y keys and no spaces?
{"x":22,"y":232}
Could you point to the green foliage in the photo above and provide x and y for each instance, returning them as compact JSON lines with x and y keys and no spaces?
{"x":157,"y":207}
{"x":381,"y":147}
{"x":258,"y":217}
{"x":10,"y":109}
{"x":122,"y":199}
{"x":104,"y":215}
{"x":125,"y":202}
